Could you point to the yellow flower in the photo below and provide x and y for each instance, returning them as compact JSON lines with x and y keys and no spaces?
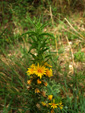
{"x":46,"y":64}
{"x":49,"y":72}
{"x":37,"y":90}
{"x":29,"y":82}
{"x":43,"y":103}
{"x":53,"y":104}
{"x":45,"y":83}
{"x":60,"y":105}
{"x":38,"y":81}
{"x":32,"y":66}
{"x":40,"y":71}
{"x":50,"y":97}
{"x":31,"y":71}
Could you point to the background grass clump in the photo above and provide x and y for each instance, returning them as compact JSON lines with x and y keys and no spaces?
{"x":60,"y":28}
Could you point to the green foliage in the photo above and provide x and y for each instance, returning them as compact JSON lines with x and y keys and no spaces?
{"x":38,"y":43}
{"x":79,"y":56}
{"x":54,"y":89}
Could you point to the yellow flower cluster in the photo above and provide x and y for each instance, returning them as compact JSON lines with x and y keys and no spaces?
{"x":39,"y":71}
{"x":54,"y":105}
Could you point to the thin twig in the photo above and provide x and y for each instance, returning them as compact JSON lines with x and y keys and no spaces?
{"x":73,"y":28}
{"x":51,"y":15}
{"x":55,"y":32}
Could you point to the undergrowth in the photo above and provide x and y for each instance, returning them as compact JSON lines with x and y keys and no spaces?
{"x":50,"y":40}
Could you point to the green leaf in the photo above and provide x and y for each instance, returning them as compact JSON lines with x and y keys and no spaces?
{"x":46,"y":34}
{"x":30,"y":33}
